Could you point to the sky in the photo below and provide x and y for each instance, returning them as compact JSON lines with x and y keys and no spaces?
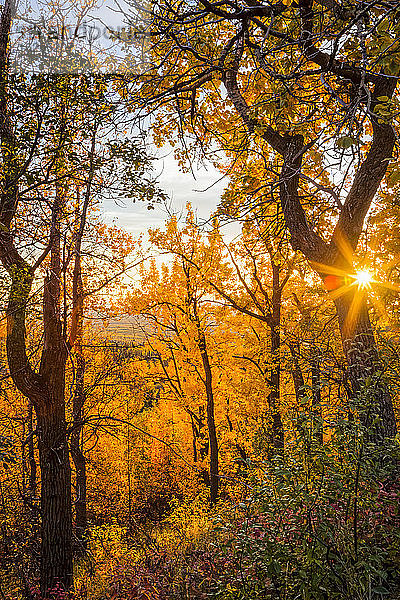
{"x":203,"y":192}
{"x":137,"y":219}
{"x":203,"y":189}
{"x":63,"y":36}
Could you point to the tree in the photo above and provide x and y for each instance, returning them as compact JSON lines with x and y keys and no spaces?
{"x":254,"y":287}
{"x":45,"y":387}
{"x":175,"y":301}
{"x":50,"y":143}
{"x":259,"y":295}
{"x":312,"y":91}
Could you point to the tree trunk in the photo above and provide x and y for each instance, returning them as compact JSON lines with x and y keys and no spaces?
{"x":274,"y":395}
{"x":212,"y":431}
{"x":46,"y":392}
{"x":208,"y":383}
{"x":79,"y":459}
{"x":31,"y":455}
{"x":56,"y":529}
{"x":277,"y":425}
{"x":194,"y":438}
{"x":364,"y":369}
{"x":56,"y":559}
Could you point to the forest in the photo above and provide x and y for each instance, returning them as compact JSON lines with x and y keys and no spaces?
{"x":208,"y":410}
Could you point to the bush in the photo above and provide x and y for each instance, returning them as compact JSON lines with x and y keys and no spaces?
{"x":319,"y":525}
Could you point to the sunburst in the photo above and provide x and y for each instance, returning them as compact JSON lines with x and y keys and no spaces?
{"x":339,"y":283}
{"x":363,"y":279}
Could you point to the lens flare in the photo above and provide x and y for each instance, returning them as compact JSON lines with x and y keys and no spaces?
{"x":363,"y":279}
{"x":339,"y":282}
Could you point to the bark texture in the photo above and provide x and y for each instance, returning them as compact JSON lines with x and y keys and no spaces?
{"x":43,"y":387}
{"x":364,"y":369}
{"x":56,"y":528}
{"x":212,"y":431}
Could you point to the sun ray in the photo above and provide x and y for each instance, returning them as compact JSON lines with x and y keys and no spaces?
{"x":339,"y":282}
{"x":344,"y":246}
{"x":339,"y":292}
{"x":388,"y":285}
{"x":380,"y":307}
{"x":351,"y":317}
{"x":329,"y":270}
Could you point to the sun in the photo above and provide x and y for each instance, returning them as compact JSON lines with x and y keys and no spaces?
{"x":363,"y":279}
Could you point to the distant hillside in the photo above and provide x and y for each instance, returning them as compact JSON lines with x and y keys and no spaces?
{"x":126,"y":329}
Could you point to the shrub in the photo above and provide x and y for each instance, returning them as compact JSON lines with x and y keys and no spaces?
{"x":319,"y":525}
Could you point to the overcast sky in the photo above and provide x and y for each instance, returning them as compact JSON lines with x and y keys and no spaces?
{"x":203,"y":192}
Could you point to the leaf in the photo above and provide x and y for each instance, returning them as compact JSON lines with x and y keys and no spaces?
{"x":393,"y":178}
{"x":379,"y":589}
{"x":345,"y":142}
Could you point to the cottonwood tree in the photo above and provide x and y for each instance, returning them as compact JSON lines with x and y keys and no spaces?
{"x":48,"y":148}
{"x":44,"y":386}
{"x":260,"y":270}
{"x":176,"y":302}
{"x":250,"y":275}
{"x":310,"y":88}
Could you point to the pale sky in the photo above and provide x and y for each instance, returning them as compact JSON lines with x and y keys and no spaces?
{"x":203,"y":190}
{"x":180,"y":188}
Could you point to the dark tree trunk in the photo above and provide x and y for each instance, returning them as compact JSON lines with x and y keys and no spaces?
{"x":212,"y":431}
{"x":56,"y":529}
{"x":79,"y":459}
{"x":46,"y":391}
{"x":198,"y":435}
{"x":275,"y":373}
{"x":32,"y":483}
{"x":55,"y":469}
{"x":364,"y":369}
{"x":194,"y":438}
{"x":208,"y":383}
